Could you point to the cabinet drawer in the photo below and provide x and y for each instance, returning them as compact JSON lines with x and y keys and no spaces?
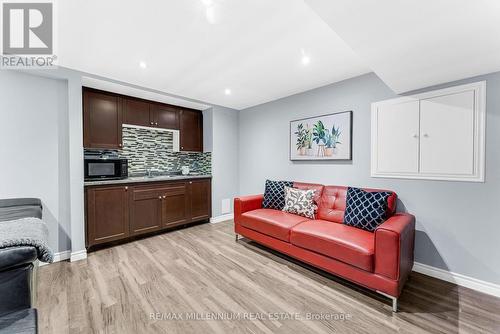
{"x":144,"y":194}
{"x":172,"y":189}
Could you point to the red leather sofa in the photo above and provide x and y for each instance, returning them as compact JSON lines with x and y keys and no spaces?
{"x":380,"y":260}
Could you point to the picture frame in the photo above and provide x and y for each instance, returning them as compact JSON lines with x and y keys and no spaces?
{"x":321,"y":138}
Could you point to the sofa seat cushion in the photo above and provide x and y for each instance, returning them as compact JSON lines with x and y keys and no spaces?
{"x":344,"y":243}
{"x":274,"y":223}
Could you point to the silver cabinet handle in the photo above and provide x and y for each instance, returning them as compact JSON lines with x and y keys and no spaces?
{"x":165,"y":196}
{"x":159,"y":197}
{"x":190,"y":182}
{"x":151,"y":123}
{"x":126,"y":188}
{"x":156,"y":123}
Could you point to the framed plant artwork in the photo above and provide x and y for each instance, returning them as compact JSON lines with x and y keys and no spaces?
{"x":327,"y":137}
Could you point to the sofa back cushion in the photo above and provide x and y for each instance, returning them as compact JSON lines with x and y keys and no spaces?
{"x":274,"y":195}
{"x":311,"y":186}
{"x":332,"y":204}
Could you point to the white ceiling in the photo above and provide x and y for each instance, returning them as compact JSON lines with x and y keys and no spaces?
{"x":254,"y":48}
{"x":413,"y":44}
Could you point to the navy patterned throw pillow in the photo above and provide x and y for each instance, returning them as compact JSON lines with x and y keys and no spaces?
{"x":274,"y":195}
{"x":365,"y":210}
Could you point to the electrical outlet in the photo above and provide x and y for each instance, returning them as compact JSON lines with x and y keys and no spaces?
{"x":226,"y":206}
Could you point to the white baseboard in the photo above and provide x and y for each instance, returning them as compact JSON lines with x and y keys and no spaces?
{"x":78,"y":255}
{"x":68,"y":255}
{"x":222,"y":218}
{"x":61,"y":256}
{"x":458,"y":279}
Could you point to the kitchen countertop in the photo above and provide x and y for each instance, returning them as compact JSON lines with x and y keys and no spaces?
{"x":142,"y":179}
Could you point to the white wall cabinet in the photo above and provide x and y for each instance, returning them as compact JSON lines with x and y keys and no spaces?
{"x":438,"y":135}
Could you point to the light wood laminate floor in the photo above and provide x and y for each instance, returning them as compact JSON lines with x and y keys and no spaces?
{"x":202,"y":270}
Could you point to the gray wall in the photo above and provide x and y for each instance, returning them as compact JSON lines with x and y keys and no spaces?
{"x":225,"y":182}
{"x":458,"y":229}
{"x":34,"y":150}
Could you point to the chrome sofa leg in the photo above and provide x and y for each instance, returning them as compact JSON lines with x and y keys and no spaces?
{"x":394,"y":305}
{"x":393,"y":299}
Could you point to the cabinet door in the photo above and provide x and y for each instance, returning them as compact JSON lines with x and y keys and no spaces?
{"x":166,"y":117}
{"x":191,"y":130}
{"x":447,"y":134}
{"x":174,"y":205}
{"x":397,"y":142}
{"x":145,"y":210}
{"x":200,"y":199}
{"x":102,"y":120}
{"x":137,"y":112}
{"x":107,"y":214}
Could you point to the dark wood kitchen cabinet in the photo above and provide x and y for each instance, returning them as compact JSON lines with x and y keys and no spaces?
{"x":191,"y":130}
{"x":199,"y":198}
{"x":102,"y":120}
{"x":145,"y":210}
{"x":174,"y":205}
{"x":107,"y":216}
{"x":121,"y":212}
{"x":165,"y":116}
{"x":105,"y":113}
{"x":137,"y":112}
{"x":150,"y":114}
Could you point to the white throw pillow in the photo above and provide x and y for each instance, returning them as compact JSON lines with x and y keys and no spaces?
{"x":300,"y":202}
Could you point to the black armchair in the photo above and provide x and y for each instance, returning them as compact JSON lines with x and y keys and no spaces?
{"x":17,"y":272}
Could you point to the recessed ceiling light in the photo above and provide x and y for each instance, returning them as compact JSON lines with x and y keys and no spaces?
{"x":305,"y":58}
{"x":209,"y":11}
{"x":142,"y":64}
{"x":210,"y":14}
{"x":227,"y":91}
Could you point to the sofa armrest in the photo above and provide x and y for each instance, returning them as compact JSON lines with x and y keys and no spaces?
{"x":394,"y":244}
{"x":246,"y":203}
{"x":16,"y":256}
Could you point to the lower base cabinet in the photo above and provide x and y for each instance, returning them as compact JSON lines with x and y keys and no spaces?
{"x":144,"y":211}
{"x":119,"y":212}
{"x":199,"y":192}
{"x":174,"y":205}
{"x":107,"y":216}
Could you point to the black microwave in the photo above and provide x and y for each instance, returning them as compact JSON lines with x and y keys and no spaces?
{"x":106,"y":168}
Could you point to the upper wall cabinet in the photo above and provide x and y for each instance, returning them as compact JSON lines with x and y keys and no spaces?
{"x":438,"y":135}
{"x":105,"y":113}
{"x":102,"y":120}
{"x":191,"y":129}
{"x":137,"y":112}
{"x":165,"y":116}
